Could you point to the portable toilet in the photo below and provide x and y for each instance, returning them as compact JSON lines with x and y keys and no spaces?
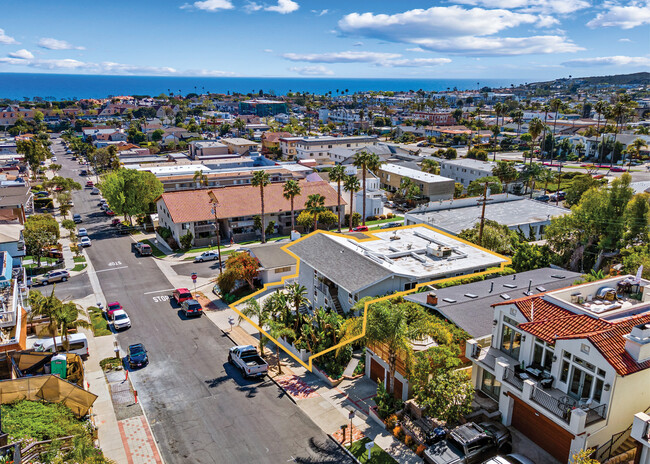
{"x":59,"y":365}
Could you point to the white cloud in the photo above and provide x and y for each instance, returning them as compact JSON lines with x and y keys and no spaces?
{"x":106,"y":67}
{"x":312,"y":71}
{"x":610,"y":61}
{"x":416,"y":49}
{"x":320,"y":12}
{"x":357,"y":44}
{"x":267,"y":50}
{"x":341,"y":57}
{"x":539,"y":6}
{"x":283,"y":7}
{"x":624,"y":40}
{"x":454,"y":29}
{"x":55,"y":44}
{"x":22,"y":54}
{"x":250,"y":7}
{"x":626,"y":17}
{"x":210,"y":5}
{"x":5,"y":39}
{"x":416,"y":62}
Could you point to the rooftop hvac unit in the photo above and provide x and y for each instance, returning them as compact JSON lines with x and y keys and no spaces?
{"x":440,"y":252}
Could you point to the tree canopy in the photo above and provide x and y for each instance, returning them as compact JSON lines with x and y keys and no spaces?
{"x":130,"y":192}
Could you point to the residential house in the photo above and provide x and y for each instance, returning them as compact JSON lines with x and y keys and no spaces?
{"x":271,"y":141}
{"x":240,"y":146}
{"x":207,"y":149}
{"x":641,"y":433}
{"x":15,"y":203}
{"x":288,"y":146}
{"x":317,"y":148}
{"x":275,"y":263}
{"x":338,"y":271}
{"x":432,"y":187}
{"x":465,"y":170}
{"x":262,"y":108}
{"x":13,"y":242}
{"x":444,"y":118}
{"x":569,"y":368}
{"x":191,"y":210}
{"x":531,"y":217}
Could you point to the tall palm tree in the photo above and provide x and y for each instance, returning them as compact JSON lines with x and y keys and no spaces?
{"x":290,"y":191}
{"x":618,"y":112}
{"x":315,"y":205}
{"x":535,"y":127}
{"x":337,"y":174}
{"x":495,"y":132}
{"x":518,"y":118}
{"x":366,"y":161}
{"x":546,"y":109}
{"x":351,"y":184}
{"x":49,"y":307}
{"x":555,"y":105}
{"x":635,"y":149}
{"x":601,"y":108}
{"x":261,"y":179}
{"x":240,"y":125}
{"x":278,"y":330}
{"x":387,"y":324}
{"x":68,"y":320}
{"x":252,"y":309}
{"x":498,"y":108}
{"x":200,"y":178}
{"x":297,"y":295}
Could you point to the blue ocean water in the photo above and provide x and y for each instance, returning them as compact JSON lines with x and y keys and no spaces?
{"x":69,"y":86}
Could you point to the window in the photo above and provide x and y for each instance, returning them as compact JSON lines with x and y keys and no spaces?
{"x":490,"y":385}
{"x":510,"y":338}
{"x":543,"y":354}
{"x":280,"y":270}
{"x":410,"y":285}
{"x":583,"y":379}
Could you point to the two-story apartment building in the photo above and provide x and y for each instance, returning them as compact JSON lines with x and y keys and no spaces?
{"x":432,"y":187}
{"x":445,"y":118}
{"x":465,"y":170}
{"x":338,"y":271}
{"x":569,"y":368}
{"x":317,"y":148}
{"x":191,"y":210}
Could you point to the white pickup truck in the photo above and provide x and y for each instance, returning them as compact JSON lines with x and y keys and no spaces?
{"x":246,"y":359}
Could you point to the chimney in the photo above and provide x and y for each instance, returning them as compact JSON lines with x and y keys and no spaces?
{"x":432,"y":298}
{"x":637,"y":343}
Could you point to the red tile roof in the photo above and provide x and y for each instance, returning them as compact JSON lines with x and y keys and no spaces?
{"x":274,"y":137}
{"x":551,"y":322}
{"x":241,"y":201}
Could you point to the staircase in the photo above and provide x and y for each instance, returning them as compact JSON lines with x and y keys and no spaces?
{"x":620,"y":443}
{"x":626,"y":446}
{"x":333,"y":293}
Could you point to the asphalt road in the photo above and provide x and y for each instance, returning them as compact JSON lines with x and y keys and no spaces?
{"x":201,"y":410}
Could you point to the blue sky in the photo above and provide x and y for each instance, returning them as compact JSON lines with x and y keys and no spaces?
{"x":525,"y":39}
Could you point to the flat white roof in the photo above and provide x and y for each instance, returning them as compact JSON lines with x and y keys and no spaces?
{"x":413,"y":252}
{"x":413,"y":173}
{"x":182,"y":169}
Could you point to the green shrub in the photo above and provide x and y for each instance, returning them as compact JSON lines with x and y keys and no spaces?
{"x":186,"y":240}
{"x":40,"y":421}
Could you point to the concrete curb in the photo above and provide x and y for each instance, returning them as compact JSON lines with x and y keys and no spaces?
{"x":345,"y":450}
{"x":272,"y":379}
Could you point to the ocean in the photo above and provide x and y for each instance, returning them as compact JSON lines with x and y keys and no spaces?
{"x":19,"y":86}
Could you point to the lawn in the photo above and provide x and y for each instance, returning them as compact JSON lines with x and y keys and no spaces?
{"x":99,"y":322}
{"x":377,"y":455}
{"x":80,"y":259}
{"x":40,"y":421}
{"x":223,"y":253}
{"x":79,"y":267}
{"x":383,"y":221}
{"x":107,"y":363}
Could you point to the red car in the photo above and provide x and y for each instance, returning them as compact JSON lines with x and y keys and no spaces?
{"x":181,"y":294}
{"x":115,"y":222}
{"x":90,"y":184}
{"x":361,"y":229}
{"x":112,"y":307}
{"x":110,"y":212}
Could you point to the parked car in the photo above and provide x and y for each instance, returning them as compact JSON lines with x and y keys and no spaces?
{"x":206,"y":256}
{"x":509,"y":459}
{"x":90,"y":184}
{"x":104,"y":206}
{"x":390,"y":225}
{"x":361,"y":229}
{"x":77,"y":344}
{"x":82,"y":232}
{"x":191,"y":308}
{"x":42,"y":194}
{"x":246,"y":359}
{"x":83,"y":172}
{"x":142,"y":248}
{"x":51,"y":276}
{"x":112,"y":307}
{"x":77,"y":218}
{"x":470,"y":443}
{"x":53,"y":253}
{"x":53,"y":158}
{"x":181,"y":294}
{"x":94,"y":191}
{"x":544,"y":198}
{"x":85,"y":242}
{"x":121,"y":320}
{"x":110,"y":212}
{"x":115,"y":222}
{"x":136,"y":355}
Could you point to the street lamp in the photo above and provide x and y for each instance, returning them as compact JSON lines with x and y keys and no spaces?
{"x":215,"y":203}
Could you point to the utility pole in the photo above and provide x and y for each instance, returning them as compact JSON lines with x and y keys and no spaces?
{"x":215,"y":203}
{"x":484,"y":201}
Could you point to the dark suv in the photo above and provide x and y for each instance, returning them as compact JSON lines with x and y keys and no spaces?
{"x":470,"y":444}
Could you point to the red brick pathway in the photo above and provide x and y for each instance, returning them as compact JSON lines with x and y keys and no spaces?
{"x":138,"y":441}
{"x":296,"y":387}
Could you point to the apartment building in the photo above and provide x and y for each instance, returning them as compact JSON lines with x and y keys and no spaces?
{"x":432,"y":187}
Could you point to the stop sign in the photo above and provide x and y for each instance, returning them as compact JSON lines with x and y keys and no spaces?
{"x":194,"y":276}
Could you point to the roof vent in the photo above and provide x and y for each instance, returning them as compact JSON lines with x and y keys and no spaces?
{"x":505,"y":296}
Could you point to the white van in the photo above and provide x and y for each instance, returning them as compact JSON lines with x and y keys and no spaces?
{"x":78,"y":344}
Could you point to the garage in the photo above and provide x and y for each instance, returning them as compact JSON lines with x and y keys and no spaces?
{"x":541,"y":430}
{"x":377,"y":372}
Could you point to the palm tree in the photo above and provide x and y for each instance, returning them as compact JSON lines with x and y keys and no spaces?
{"x":252,"y":309}
{"x":290,"y":191}
{"x":278,"y":331}
{"x":200,"y":178}
{"x":365,"y":161}
{"x":495,"y":131}
{"x":297,"y":295}
{"x":49,"y":307}
{"x":315,"y":205}
{"x":498,"y":108}
{"x":240,"y":125}
{"x":545,"y":108}
{"x":635,"y":149}
{"x":69,"y":319}
{"x":601,"y":108}
{"x":337,"y":174}
{"x":351,"y":184}
{"x":618,"y":112}
{"x":261,"y":179}
{"x":431,"y":166}
{"x":506,"y":173}
{"x":518,"y":118}
{"x":387,"y":324}
{"x":531,"y":174}
{"x":555,"y":104}
{"x":535,"y":128}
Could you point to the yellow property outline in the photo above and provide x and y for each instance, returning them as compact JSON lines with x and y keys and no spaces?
{"x":233,"y":306}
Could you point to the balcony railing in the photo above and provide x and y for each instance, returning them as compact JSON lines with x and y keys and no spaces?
{"x":484,"y":356}
{"x":204,"y":228}
{"x":556,"y":406}
{"x":511,"y":377}
{"x":595,"y":414}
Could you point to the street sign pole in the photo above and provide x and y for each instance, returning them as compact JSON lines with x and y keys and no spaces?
{"x":194,"y":277}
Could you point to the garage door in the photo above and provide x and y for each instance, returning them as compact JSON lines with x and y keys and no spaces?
{"x":541,"y":430}
{"x":376,"y":371}
{"x":397,"y":392}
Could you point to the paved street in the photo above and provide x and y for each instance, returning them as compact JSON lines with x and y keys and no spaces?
{"x":200,"y":409}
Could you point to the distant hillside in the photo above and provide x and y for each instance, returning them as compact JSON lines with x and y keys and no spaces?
{"x":640,"y":78}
